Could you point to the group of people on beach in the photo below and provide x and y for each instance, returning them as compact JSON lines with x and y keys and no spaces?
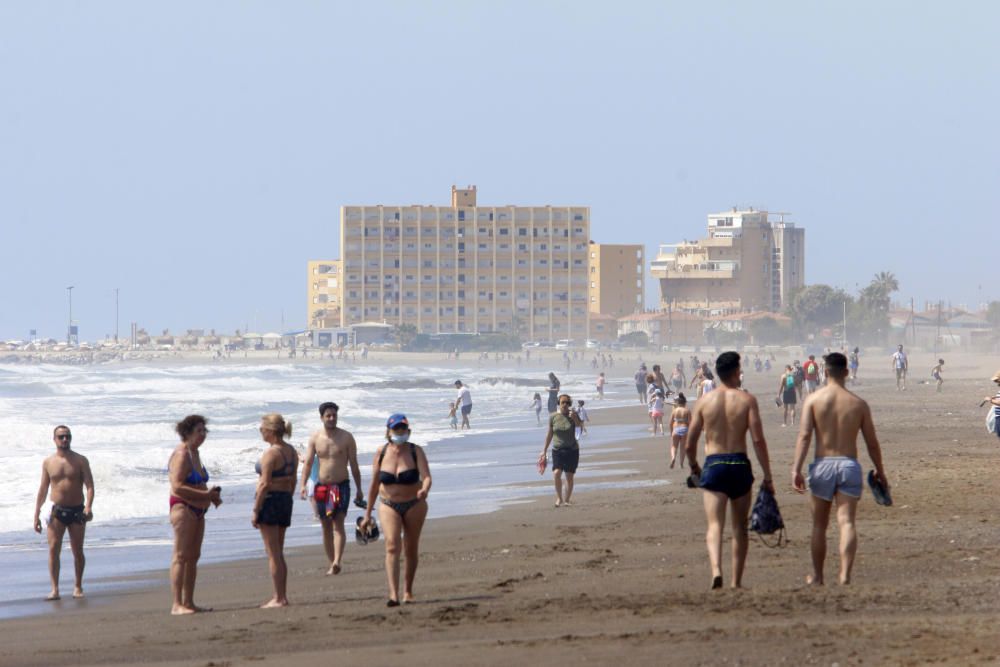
{"x":400,"y":479}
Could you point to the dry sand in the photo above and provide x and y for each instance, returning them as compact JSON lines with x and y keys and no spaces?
{"x":622,"y":576}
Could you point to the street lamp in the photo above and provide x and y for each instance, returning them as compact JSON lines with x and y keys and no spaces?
{"x":69,"y":327}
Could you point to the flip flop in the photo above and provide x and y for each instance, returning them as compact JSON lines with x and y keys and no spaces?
{"x":879,"y":492}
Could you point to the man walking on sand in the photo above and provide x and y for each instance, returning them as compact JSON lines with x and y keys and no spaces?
{"x":66,"y":474}
{"x":836,"y":415}
{"x":464,"y":402}
{"x":901,"y":364}
{"x":335,"y":448}
{"x":725,"y":415}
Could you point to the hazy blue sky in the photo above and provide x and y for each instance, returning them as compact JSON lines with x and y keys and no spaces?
{"x":195,"y":154}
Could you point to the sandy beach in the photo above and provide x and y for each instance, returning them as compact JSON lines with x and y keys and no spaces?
{"x":622,"y":575}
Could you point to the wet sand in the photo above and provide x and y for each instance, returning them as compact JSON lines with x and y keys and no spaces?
{"x":622,"y":575}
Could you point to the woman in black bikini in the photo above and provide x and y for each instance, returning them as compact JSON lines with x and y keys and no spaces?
{"x":401,"y":478}
{"x":272,"y":509}
{"x":190,"y":498}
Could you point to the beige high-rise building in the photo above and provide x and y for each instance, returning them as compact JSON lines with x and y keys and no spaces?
{"x":324,"y":293}
{"x":467,"y":268}
{"x":617,"y":285}
{"x":747,"y":263}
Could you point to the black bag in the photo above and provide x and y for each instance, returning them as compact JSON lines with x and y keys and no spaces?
{"x":765,"y":518}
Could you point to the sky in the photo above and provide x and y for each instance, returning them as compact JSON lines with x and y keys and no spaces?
{"x":193,"y":156}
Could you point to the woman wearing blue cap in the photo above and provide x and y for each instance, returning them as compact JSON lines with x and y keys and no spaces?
{"x":401,"y":478}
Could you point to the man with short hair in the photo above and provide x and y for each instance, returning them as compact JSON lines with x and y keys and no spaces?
{"x":65,"y":474}
{"x":335,"y":448}
{"x":901,"y":365}
{"x":725,"y":415}
{"x":464,"y":402}
{"x":837,"y":416}
{"x":810,"y":371}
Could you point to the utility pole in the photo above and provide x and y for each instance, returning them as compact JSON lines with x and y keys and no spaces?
{"x":913,"y":323}
{"x":69,"y":326}
{"x":116,"y":315}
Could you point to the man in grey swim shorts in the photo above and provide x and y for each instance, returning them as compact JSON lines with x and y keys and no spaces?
{"x":836,"y":416}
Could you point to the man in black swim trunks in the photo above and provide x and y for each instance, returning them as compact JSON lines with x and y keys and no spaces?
{"x":65,"y":473}
{"x":725,"y":415}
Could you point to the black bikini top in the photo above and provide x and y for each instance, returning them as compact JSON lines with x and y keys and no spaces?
{"x":285,"y":471}
{"x":407,"y":477}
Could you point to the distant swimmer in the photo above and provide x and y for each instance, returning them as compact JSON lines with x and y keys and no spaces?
{"x":726,"y":415}
{"x":901,"y":365}
{"x":836,"y":416}
{"x":335,"y":450}
{"x":65,"y":474}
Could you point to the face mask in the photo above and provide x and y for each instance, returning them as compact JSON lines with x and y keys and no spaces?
{"x":399,"y":439}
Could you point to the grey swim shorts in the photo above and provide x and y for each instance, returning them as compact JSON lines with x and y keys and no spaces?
{"x":832,"y":474}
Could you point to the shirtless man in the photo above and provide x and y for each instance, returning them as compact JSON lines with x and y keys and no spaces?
{"x":725,"y":415}
{"x":335,"y":448}
{"x":836,"y":415}
{"x":65,"y":473}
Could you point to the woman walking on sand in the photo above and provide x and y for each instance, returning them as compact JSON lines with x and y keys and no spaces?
{"x":272,"y":508}
{"x":565,"y":448}
{"x":190,"y":498}
{"x":787,"y":394}
{"x":680,"y":418}
{"x":401,"y":479}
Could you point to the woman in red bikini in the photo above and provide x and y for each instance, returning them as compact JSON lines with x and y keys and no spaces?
{"x":190,"y":498}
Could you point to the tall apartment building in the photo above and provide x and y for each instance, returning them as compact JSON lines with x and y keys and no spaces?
{"x":617,"y":285}
{"x":324,"y":294}
{"x":467,"y":268}
{"x":746,"y":263}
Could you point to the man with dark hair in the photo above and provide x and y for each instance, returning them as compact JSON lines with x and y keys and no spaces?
{"x":725,"y":415}
{"x":65,"y":473}
{"x":837,"y":416}
{"x":335,"y":449}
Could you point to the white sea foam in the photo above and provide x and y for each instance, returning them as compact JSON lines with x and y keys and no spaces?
{"x":122,"y":419}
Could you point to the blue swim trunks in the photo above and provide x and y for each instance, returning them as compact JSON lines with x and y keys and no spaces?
{"x":730,"y":474}
{"x":829,"y":475}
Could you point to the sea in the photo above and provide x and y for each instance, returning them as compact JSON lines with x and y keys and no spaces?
{"x":122,"y":416}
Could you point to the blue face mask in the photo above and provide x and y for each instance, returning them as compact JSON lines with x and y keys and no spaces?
{"x":399,"y":439}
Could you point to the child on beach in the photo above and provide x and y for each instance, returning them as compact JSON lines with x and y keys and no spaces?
{"x":656,"y":410}
{"x":536,"y":405}
{"x":600,"y":386}
{"x":453,"y":413}
{"x":582,"y":414}
{"x":679,"y":420}
{"x":936,"y":373}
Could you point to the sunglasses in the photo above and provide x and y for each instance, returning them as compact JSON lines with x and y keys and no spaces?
{"x":565,"y":403}
{"x":64,"y":437}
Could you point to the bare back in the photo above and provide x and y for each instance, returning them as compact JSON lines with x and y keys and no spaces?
{"x":334,"y":452}
{"x":725,"y":415}
{"x":67,"y":474}
{"x":837,"y":416}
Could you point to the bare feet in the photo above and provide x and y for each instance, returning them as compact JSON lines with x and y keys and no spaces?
{"x":567,"y":503}
{"x":78,"y":593}
{"x":813,"y":580}
{"x":198,"y":609}
{"x":274,"y":603}
{"x":334,"y":569}
{"x":178,"y":610}
{"x":559,"y":503}
{"x":408,"y":598}
{"x":54,"y":595}
{"x":844,"y":581}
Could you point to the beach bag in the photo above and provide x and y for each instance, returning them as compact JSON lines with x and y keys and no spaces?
{"x":991,"y":421}
{"x":765,"y":518}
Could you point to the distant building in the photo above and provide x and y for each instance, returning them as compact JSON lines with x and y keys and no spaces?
{"x":670,"y":328}
{"x":617,"y":280}
{"x":324,"y":281}
{"x":748,"y":262}
{"x":467,"y":268}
